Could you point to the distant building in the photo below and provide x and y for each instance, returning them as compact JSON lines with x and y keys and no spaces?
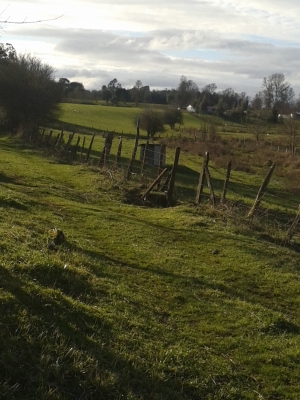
{"x":286,"y":116}
{"x":190,"y":109}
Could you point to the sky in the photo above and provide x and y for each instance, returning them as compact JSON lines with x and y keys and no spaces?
{"x":231,"y":43}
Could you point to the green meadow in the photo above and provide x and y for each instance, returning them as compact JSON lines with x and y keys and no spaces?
{"x":118,"y":119}
{"x":187,"y":302}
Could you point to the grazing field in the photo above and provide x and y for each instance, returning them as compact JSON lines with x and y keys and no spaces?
{"x":118,"y":119}
{"x":142,"y":303}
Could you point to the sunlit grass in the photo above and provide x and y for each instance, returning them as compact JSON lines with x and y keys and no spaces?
{"x":176,"y":303}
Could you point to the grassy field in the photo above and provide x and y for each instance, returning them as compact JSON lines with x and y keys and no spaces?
{"x":117,"y":119}
{"x":142,"y":303}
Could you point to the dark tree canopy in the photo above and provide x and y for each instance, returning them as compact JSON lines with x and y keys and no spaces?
{"x":187,"y":91}
{"x":28,"y":92}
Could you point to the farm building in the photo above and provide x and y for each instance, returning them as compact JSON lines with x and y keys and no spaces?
{"x":155,"y":154}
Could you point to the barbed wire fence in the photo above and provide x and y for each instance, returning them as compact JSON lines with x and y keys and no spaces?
{"x":146,"y":166}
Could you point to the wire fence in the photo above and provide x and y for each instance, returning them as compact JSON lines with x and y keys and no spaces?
{"x":144,"y":163}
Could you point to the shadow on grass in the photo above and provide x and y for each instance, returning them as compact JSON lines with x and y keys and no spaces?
{"x":52,"y":348}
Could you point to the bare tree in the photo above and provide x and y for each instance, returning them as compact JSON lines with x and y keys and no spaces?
{"x":276,"y":91}
{"x":211,"y":88}
{"x":25,"y":21}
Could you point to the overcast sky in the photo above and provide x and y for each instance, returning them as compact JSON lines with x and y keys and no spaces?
{"x":232,"y":43}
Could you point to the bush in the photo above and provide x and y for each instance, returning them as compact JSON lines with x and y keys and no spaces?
{"x":172,"y":116}
{"x":151,"y":121}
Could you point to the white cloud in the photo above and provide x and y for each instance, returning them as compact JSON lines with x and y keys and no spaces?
{"x":230,"y":42}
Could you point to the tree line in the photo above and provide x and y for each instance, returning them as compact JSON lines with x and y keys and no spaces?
{"x":30,"y":95}
{"x":275,"y":92}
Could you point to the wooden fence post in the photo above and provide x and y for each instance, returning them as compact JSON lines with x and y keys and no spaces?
{"x":226,"y":182}
{"x":89,"y":149}
{"x":144,"y":157}
{"x":68,"y":144}
{"x":119,"y":151}
{"x":134,"y":149}
{"x":82,"y":148}
{"x":106,"y":149}
{"x":201,"y":178}
{"x":261,"y":191}
{"x":172,"y":178}
{"x":48,"y":137}
{"x":60,"y":139}
{"x":161,"y":159}
{"x":75,"y":149}
{"x":42,"y":137}
{"x":57,"y":139}
{"x":209,"y":184}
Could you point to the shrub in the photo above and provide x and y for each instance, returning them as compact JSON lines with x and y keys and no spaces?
{"x":151,"y":121}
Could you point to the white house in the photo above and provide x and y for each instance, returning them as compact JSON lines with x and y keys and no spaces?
{"x":190,"y":109}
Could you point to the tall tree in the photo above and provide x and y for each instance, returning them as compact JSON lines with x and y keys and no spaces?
{"x":220,"y":107}
{"x":105,"y":94}
{"x":112,"y":87}
{"x":211,"y":88}
{"x":203,"y":105}
{"x":136,"y":92}
{"x":257,"y":101}
{"x":276,"y":91}
{"x":187,"y":91}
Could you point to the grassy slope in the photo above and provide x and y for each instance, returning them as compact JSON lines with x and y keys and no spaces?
{"x":118,"y":119}
{"x":139,"y":303}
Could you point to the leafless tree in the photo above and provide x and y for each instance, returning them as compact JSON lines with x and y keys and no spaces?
{"x":276,"y":91}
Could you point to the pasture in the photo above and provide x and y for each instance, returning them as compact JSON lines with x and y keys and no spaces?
{"x":115,"y":119}
{"x":139,"y":303}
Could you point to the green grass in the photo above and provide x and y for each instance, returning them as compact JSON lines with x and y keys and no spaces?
{"x":116,"y":119}
{"x":177,"y":303}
